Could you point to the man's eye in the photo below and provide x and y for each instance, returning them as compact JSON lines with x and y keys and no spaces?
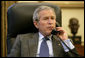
{"x":52,"y":18}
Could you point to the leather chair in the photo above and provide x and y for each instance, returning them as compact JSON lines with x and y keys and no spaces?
{"x":19,"y":17}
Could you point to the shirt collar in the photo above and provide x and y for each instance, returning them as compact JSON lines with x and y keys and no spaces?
{"x":41,"y":36}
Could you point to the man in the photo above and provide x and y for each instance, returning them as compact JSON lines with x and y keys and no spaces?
{"x":29,"y":45}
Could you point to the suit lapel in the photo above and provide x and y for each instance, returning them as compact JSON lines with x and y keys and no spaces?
{"x":57,"y":47}
{"x":34,"y":45}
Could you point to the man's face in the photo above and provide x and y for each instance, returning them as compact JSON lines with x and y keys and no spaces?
{"x":47,"y":22}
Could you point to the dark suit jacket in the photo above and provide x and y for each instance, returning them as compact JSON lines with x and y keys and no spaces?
{"x":26,"y":46}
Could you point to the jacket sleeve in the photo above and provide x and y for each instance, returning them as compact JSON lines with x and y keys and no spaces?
{"x":71,"y":50}
{"x":72,"y":53}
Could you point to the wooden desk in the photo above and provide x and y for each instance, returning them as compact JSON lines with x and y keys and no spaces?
{"x":80,"y":49}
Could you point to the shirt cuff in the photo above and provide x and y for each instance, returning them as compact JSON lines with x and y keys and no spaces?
{"x":69,"y":44}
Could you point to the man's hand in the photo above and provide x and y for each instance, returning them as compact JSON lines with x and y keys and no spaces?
{"x":63,"y":34}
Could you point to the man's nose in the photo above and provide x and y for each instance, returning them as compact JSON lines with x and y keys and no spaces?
{"x":50,"y":21}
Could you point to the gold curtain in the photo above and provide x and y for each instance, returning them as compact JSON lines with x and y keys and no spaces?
{"x":4,"y":7}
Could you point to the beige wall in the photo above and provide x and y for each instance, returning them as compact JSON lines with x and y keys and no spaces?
{"x":78,"y":13}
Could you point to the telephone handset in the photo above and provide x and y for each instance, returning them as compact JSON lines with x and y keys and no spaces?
{"x":54,"y":32}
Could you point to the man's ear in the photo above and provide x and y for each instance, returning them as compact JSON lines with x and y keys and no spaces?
{"x":36,"y":24}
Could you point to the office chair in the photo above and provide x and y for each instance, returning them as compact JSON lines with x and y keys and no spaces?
{"x":19,"y":20}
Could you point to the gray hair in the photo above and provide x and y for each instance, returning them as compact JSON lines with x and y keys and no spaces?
{"x":40,"y":8}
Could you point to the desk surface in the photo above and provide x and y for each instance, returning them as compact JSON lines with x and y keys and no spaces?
{"x":80,"y":49}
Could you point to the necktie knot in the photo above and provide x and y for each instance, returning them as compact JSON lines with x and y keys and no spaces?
{"x":45,"y":38}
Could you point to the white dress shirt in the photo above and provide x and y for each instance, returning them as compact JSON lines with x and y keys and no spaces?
{"x":49,"y":43}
